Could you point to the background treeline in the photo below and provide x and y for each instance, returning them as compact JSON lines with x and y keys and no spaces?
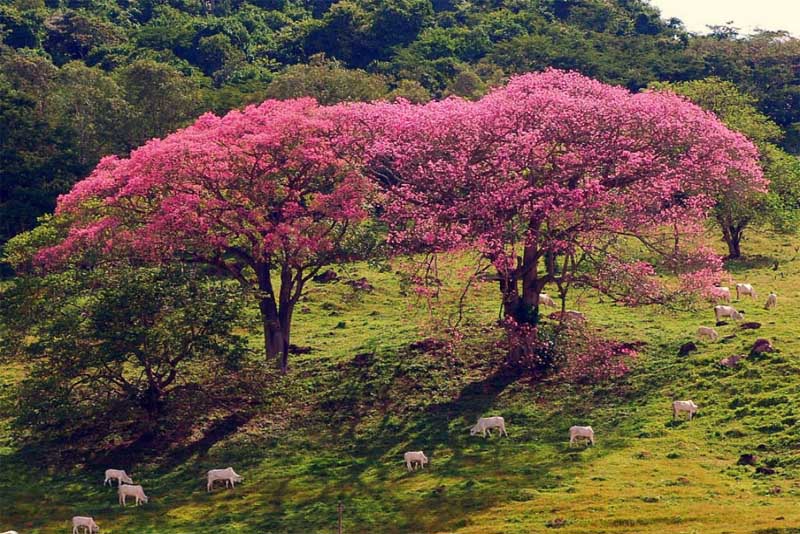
{"x":82,"y":78}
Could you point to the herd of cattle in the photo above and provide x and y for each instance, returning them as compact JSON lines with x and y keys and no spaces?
{"x":417,"y":459}
{"x":126,"y":488}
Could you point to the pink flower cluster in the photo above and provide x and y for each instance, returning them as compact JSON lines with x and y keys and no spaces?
{"x":557,"y":163}
{"x":270,"y":183}
{"x":552,"y":163}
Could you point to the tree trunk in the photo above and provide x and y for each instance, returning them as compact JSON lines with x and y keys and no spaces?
{"x":733,"y":238}
{"x":523,"y":306}
{"x":152,"y":403}
{"x":276,"y":317}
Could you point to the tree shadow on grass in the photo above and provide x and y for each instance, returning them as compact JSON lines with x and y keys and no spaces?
{"x":746,"y":263}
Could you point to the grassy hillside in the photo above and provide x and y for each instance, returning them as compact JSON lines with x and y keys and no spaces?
{"x":336,"y":427}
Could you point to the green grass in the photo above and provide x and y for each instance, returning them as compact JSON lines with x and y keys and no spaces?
{"x":336,"y":427}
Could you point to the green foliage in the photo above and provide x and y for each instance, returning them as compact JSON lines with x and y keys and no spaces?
{"x":328,"y":82}
{"x":119,"y":354}
{"x":160,"y":97}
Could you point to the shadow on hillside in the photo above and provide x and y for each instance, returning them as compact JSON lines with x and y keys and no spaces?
{"x":154,"y":445}
{"x":218,"y":431}
{"x":746,"y":263}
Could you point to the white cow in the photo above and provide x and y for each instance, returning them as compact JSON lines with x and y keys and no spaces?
{"x":580,"y":432}
{"x":228,"y":475}
{"x":722,"y":294}
{"x":127,"y":490}
{"x":10,"y":532}
{"x":117,"y":474}
{"x":745,"y":289}
{"x":414,"y":459}
{"x":683,"y":406}
{"x":706,"y":332}
{"x":772,"y":301}
{"x":82,"y":522}
{"x":486,"y":424}
{"x":546,"y":300}
{"x":727,"y":311}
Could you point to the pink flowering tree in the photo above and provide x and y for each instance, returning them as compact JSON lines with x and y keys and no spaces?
{"x":265,"y":195}
{"x":560,"y":179}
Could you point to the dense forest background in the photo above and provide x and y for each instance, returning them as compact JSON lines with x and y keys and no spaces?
{"x":80,"y":79}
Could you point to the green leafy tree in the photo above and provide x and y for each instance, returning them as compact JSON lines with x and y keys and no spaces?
{"x":120,"y":355}
{"x":160,"y":97}
{"x":327,"y":81}
{"x":36,"y":162}
{"x":91,"y":104}
{"x":411,"y":90}
{"x":71,"y":35}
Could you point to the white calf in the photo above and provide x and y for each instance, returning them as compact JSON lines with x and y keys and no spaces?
{"x":727,"y":311}
{"x":721,"y":294}
{"x":683,"y":406}
{"x":580,"y":432}
{"x":486,"y":424}
{"x":83,"y":522}
{"x":745,"y":289}
{"x":546,"y":300}
{"x":228,"y":475}
{"x":414,"y":459}
{"x":117,"y":474}
{"x":706,"y":332}
{"x":137,"y":492}
{"x":772,"y":301}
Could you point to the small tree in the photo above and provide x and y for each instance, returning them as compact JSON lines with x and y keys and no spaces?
{"x":265,"y":195}
{"x":120,"y":352}
{"x":736,"y":210}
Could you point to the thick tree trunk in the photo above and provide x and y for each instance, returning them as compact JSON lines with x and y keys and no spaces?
{"x":276,"y":336}
{"x":152,"y":403}
{"x":733,"y":238}
{"x":523,"y":305}
{"x":276,"y":317}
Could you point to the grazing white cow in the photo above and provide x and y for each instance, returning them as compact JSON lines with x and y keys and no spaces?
{"x":683,"y":406}
{"x":414,"y":459}
{"x":546,"y":300}
{"x":10,"y":532}
{"x":745,"y":289}
{"x":772,"y":301}
{"x":82,"y":522}
{"x":706,"y":332}
{"x":580,"y":432}
{"x":721,"y":294}
{"x":486,"y":424}
{"x":228,"y":475}
{"x":117,"y":474}
{"x":727,"y":311}
{"x":127,"y":490}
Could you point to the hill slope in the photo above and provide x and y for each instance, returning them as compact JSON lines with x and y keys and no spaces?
{"x":336,"y":428}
